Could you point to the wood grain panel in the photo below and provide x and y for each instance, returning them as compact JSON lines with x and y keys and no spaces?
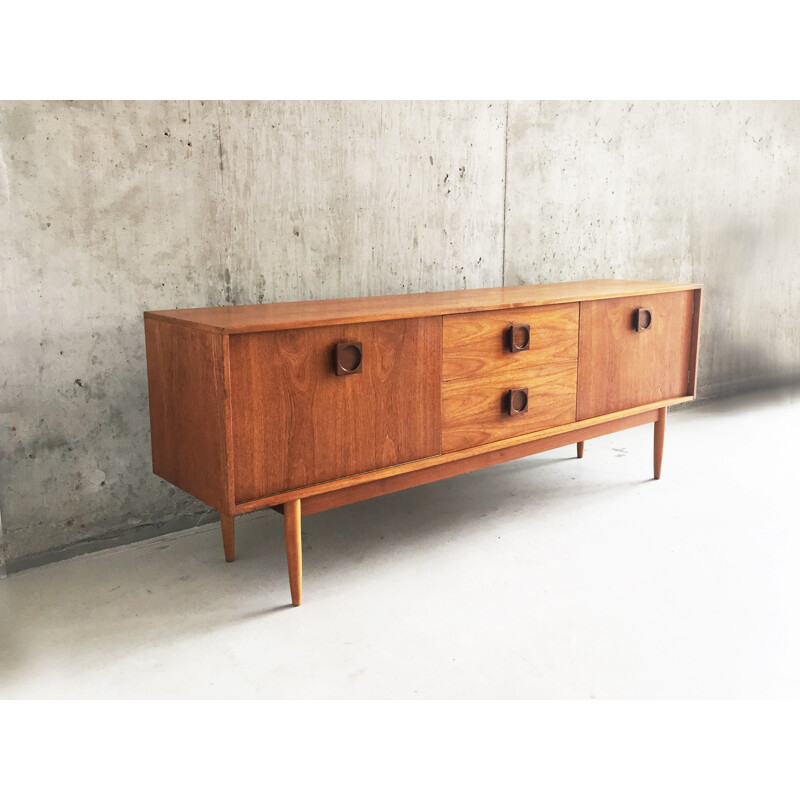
{"x":396,"y":483}
{"x":186,"y":385}
{"x":619,"y":368}
{"x":312,"y":313}
{"x":477,"y":344}
{"x":474,"y":412}
{"x":295,"y":422}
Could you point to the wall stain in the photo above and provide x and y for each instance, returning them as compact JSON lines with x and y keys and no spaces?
{"x":5,"y":185}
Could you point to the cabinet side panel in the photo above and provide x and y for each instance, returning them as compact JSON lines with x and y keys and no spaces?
{"x":186,"y":385}
{"x":695,"y":344}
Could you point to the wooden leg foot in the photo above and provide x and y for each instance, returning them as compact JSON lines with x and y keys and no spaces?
{"x":658,"y":441}
{"x":580,"y":449}
{"x":294,"y":550}
{"x":227,"y":536}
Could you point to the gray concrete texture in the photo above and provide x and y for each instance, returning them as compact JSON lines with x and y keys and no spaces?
{"x":111,"y":208}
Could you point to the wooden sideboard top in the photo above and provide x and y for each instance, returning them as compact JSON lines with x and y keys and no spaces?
{"x":314,"y":313}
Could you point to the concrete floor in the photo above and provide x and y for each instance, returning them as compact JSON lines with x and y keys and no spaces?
{"x":547,"y":577}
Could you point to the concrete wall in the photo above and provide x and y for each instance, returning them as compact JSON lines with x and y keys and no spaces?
{"x":703,"y":192}
{"x":108,"y":209}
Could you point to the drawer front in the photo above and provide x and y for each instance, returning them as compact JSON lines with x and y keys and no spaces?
{"x":477,"y":412}
{"x":297,"y":422}
{"x":476,"y":345}
{"x":620,"y":366}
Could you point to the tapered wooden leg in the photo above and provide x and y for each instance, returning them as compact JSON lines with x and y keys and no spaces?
{"x":227,"y":536}
{"x":580,"y":449}
{"x":294,"y":549}
{"x":658,"y":441}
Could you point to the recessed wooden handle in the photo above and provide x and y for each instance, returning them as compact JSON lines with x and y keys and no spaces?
{"x":349,"y":358}
{"x":517,"y":400}
{"x":519,"y":338}
{"x":642,"y":319}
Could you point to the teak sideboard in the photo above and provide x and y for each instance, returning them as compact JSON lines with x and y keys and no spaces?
{"x":306,"y":406}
